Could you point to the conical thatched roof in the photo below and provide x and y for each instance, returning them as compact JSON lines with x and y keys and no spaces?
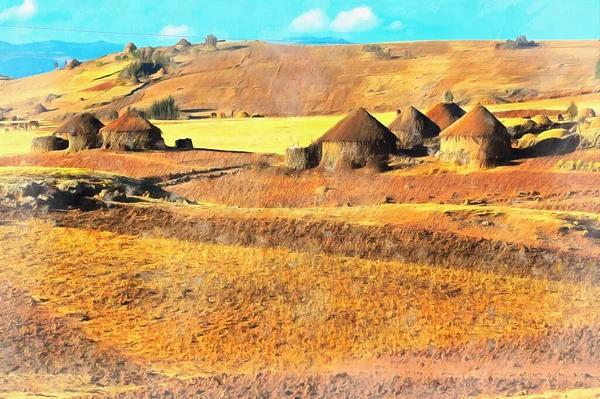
{"x":412,"y":127}
{"x":131,"y":132}
{"x":358,"y":126}
{"x":39,"y":109}
{"x":130,"y":48}
{"x":445,"y":114}
{"x":478,"y":133}
{"x":80,"y":125}
{"x":130,"y":122}
{"x":478,"y":123}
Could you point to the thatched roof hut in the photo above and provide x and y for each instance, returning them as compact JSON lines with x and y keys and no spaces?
{"x":130,"y":48}
{"x":39,"y":109}
{"x":242,"y":114}
{"x":131,"y":132}
{"x":73,"y":64}
{"x":48,"y":143}
{"x":82,"y":131}
{"x":478,"y":135}
{"x":586,"y":113}
{"x":445,"y":114}
{"x":412,"y":128}
{"x":354,"y":140}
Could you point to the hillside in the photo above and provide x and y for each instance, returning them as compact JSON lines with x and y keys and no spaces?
{"x":289,"y":80}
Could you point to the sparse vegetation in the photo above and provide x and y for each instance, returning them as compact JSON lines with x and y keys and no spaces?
{"x":211,"y":40}
{"x":166,"y":109}
{"x":448,"y":96}
{"x":144,"y":66}
{"x":572,"y":111}
{"x":519,"y":42}
{"x":377,"y":50}
{"x":134,"y":69}
{"x":598,"y":69}
{"x":112,"y":115}
{"x":160,"y":59}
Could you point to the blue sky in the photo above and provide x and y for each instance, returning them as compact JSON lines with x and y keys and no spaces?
{"x":357,"y":21}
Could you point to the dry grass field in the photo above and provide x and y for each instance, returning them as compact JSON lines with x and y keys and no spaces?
{"x":188,"y":309}
{"x":217,"y":272}
{"x":272,"y":135}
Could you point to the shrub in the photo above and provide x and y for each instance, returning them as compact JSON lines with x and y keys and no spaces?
{"x":112,"y":115}
{"x":141,"y":67}
{"x":118,"y":57}
{"x":448,"y":96}
{"x":377,"y":50}
{"x":166,"y":109}
{"x":598,"y":69}
{"x":572,"y":110}
{"x":99,"y":63}
{"x":133,"y":69}
{"x":211,"y":40}
{"x":160,"y":59}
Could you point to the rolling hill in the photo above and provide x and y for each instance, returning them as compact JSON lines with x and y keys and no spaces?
{"x":291,"y":80}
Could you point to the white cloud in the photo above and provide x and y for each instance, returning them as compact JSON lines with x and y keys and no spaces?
{"x":359,"y":19}
{"x":396,"y":25}
{"x":310,"y":21}
{"x":27,"y":10}
{"x":172,"y":30}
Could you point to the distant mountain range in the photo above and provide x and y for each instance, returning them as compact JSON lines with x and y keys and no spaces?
{"x":20,"y":60}
{"x":308,"y":40}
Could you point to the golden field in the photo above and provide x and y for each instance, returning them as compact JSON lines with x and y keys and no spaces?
{"x":269,"y":135}
{"x":196,"y":309}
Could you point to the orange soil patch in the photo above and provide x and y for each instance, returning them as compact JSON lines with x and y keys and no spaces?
{"x":102,"y":86}
{"x":139,"y":165}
